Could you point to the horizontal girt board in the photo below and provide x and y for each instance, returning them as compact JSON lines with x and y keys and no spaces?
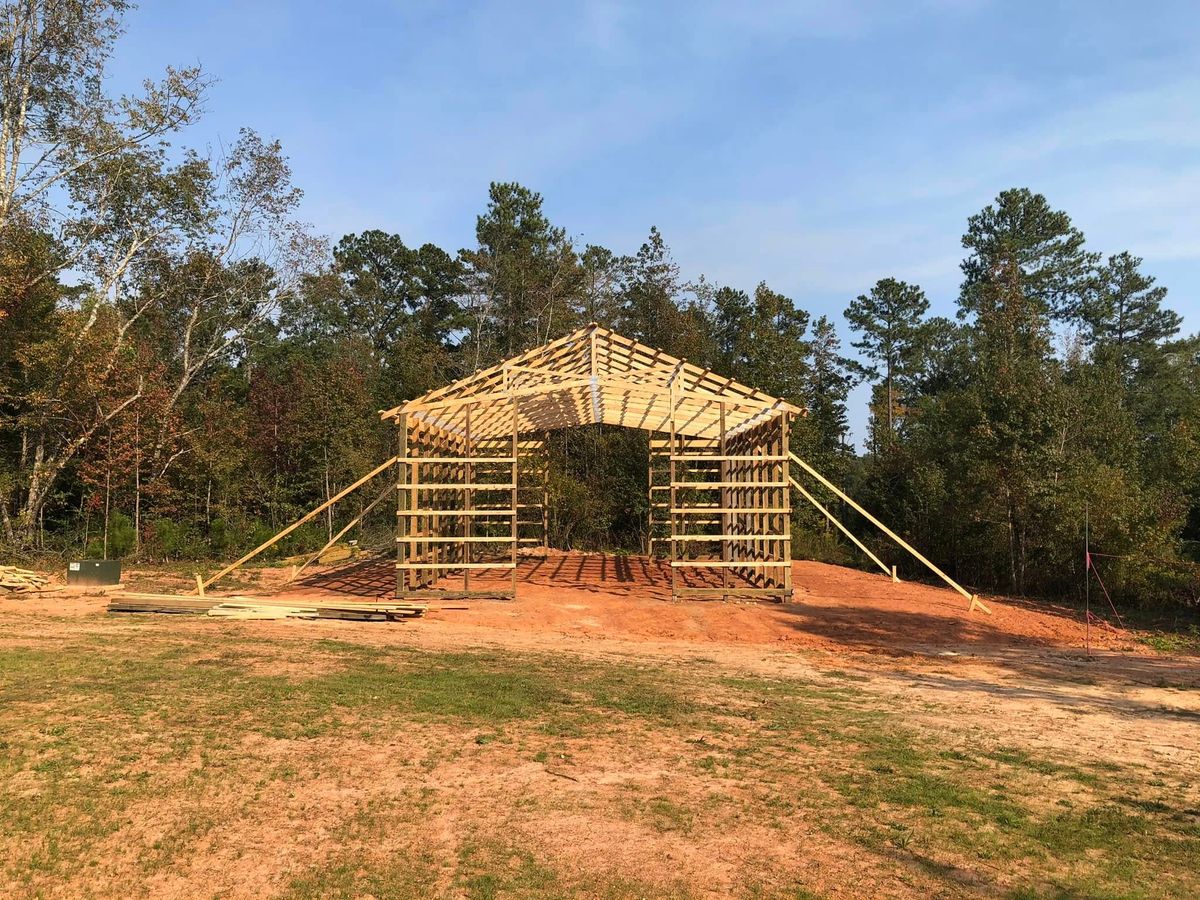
{"x":720,"y":564}
{"x":452,"y":566}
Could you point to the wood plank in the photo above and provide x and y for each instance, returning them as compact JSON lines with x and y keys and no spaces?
{"x":895,"y":537}
{"x":459,"y":539}
{"x":458,"y":595}
{"x":505,"y":512}
{"x":729,"y":458}
{"x":453,"y":486}
{"x":721,"y":564}
{"x":457,"y":566}
{"x":713,"y":485}
{"x":458,"y":459}
{"x":748,"y":510}
{"x":729,"y":537}
{"x":721,"y":591}
{"x":307,"y":517}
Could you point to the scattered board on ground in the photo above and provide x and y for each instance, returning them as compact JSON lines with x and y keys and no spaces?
{"x":241,"y":607}
{"x":16,"y":580}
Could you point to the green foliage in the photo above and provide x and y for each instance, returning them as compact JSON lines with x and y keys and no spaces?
{"x":121,"y":535}
{"x":215,"y":372}
{"x":1007,"y":445}
{"x":895,"y":340}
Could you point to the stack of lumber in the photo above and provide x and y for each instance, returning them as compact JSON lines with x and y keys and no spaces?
{"x":241,"y":607}
{"x":160,"y":603}
{"x":14,"y":580}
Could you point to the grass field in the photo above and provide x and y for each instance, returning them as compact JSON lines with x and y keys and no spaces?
{"x":212,"y":760}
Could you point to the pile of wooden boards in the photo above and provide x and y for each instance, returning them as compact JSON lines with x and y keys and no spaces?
{"x":18,"y":581}
{"x":241,"y":607}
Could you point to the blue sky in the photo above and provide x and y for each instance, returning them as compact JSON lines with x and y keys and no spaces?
{"x":815,"y":145}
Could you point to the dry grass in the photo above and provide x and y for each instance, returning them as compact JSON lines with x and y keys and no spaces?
{"x":214,"y":761}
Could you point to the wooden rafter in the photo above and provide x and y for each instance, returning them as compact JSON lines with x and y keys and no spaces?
{"x":589,"y":376}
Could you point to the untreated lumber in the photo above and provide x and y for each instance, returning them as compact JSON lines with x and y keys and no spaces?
{"x":333,"y":540}
{"x":239,"y":606}
{"x":721,"y":564}
{"x":842,"y":528}
{"x":733,"y":591}
{"x":455,"y":566}
{"x":975,"y":601}
{"x":307,"y":517}
{"x":478,"y":594}
{"x":487,"y":511}
{"x":729,"y":537}
{"x":13,"y":578}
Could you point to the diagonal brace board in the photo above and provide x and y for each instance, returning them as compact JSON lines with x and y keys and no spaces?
{"x":975,"y":601}
{"x":307,"y":517}
{"x":341,"y":534}
{"x":844,"y":530}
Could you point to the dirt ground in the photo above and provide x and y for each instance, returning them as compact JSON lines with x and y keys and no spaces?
{"x":1019,"y":678}
{"x":1037,"y":662}
{"x":834,"y":609}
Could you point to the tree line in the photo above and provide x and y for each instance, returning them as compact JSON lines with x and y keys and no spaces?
{"x":185,"y":367}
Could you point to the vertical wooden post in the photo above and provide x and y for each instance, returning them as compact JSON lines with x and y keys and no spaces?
{"x":785,"y":520}
{"x":671,"y":452}
{"x":468,"y":501}
{"x":515,"y":437}
{"x":726,"y":497}
{"x":415,"y":473}
{"x":402,"y":519}
{"x":438,"y":495}
{"x":546,"y":490}
{"x":650,"y":495}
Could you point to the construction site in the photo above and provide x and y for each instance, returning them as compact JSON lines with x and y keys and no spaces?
{"x":477,"y":713}
{"x":471,"y":480}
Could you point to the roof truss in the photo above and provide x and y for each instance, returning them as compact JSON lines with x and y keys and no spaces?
{"x":590,"y":376}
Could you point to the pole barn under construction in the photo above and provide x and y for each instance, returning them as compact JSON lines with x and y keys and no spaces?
{"x":472,"y":468}
{"x":471,"y":474}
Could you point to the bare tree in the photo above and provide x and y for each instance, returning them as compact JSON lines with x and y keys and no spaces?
{"x":198,"y":248}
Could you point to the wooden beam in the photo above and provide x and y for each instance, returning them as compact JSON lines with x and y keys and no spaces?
{"x":842,"y":528}
{"x":721,"y":564}
{"x":453,"y":566}
{"x":895,"y":537}
{"x":516,"y":437}
{"x":403,"y":522}
{"x":337,"y":537}
{"x":457,"y":539}
{"x":753,"y":535}
{"x":435,"y":594}
{"x":307,"y":517}
{"x":468,"y":522}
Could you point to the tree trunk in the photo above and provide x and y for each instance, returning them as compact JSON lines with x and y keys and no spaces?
{"x":329,"y":510}
{"x":9,"y":535}
{"x":1012,"y":548}
{"x":137,"y":485}
{"x":40,"y":477}
{"x":107,"y":496}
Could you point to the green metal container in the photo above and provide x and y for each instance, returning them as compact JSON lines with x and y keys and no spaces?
{"x":94,"y":571}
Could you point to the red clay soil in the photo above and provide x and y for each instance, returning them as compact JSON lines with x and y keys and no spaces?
{"x":833,"y":608}
{"x":629,"y":598}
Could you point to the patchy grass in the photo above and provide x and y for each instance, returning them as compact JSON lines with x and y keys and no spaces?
{"x":405,"y":773}
{"x":1178,"y":641}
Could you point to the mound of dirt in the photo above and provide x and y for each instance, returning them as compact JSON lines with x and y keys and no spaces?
{"x":833,"y":608}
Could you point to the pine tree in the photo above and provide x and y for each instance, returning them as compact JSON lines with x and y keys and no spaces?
{"x":829,"y":382}
{"x":890,"y":322}
{"x":1026,"y":262}
{"x":524,"y":276}
{"x":1123,"y":316}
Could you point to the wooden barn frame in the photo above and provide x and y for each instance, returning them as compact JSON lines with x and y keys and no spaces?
{"x":471,"y":473}
{"x":471,"y":467}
